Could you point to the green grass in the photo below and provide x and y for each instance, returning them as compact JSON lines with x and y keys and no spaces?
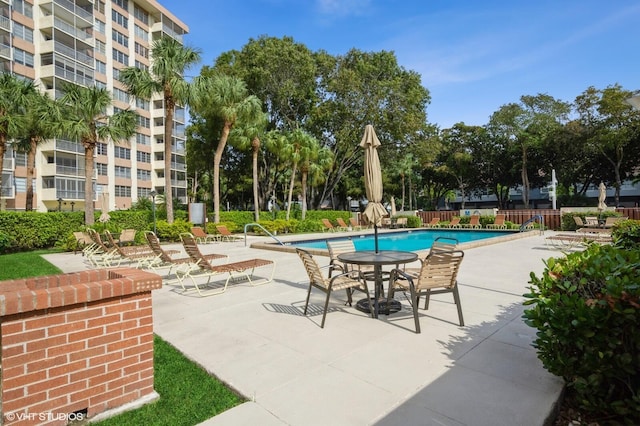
{"x":188,"y":394}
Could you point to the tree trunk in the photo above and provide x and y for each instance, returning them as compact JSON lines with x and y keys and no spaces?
{"x":31,"y":166}
{"x":403,"y":191}
{"x":89,"y":208}
{"x":291,"y":182}
{"x":304,"y":193}
{"x":217,"y":158}
{"x":255,"y":144}
{"x":168,"y":137}
{"x":3,"y":148}
{"x":525,"y":179}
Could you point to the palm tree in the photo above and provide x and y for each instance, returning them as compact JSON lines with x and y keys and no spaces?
{"x":228,"y":99}
{"x":170,"y":60}
{"x":85,"y":119}
{"x":312,"y":159}
{"x":42,"y":120}
{"x":14,"y":93}
{"x":249,"y":136}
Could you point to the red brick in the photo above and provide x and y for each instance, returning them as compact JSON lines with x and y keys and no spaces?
{"x":9,"y":286}
{"x":94,"y":291}
{"x":87,"y":373}
{"x":65,"y":349}
{"x":49,"y":405}
{"x":11,"y":394}
{"x":9,"y":304}
{"x":85,"y":314}
{"x":147,"y":356}
{"x":67,"y":368}
{"x":88,"y":393}
{"x":137,"y":367}
{"x":121,"y":382}
{"x":138,"y":331}
{"x":120,"y":307}
{"x":11,"y":351}
{"x":43,"y":321}
{"x":105,"y":399}
{"x":104,"y":359}
{"x":70,"y":295}
{"x":12,"y":372}
{"x":105,"y":378}
{"x":55,"y":297}
{"x":122,"y":325}
{"x":122,"y":344}
{"x":104,"y":340}
{"x":87,"y":353}
{"x":44,"y":364}
{"x":24,"y":337}
{"x":134,"y":350}
{"x":48,"y":342}
{"x":104,"y":320}
{"x":146,"y":339}
{"x":145,"y":385}
{"x":84,"y":335}
{"x":143,"y":312}
{"x":19,"y":403}
{"x":67,"y":328}
{"x":68,"y":389}
{"x":47,"y":384}
{"x":11,"y":327}
{"x":122,"y":363}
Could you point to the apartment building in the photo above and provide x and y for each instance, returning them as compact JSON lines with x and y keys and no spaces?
{"x":88,"y":42}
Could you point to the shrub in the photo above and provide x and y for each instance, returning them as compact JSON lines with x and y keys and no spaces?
{"x":414,"y":222}
{"x":171,"y":232}
{"x":586,"y":308}
{"x":626,"y":234}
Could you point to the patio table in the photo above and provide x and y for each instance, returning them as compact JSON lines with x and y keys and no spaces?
{"x":378,"y":260}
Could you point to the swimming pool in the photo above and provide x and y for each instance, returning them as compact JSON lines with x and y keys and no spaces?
{"x":404,"y":240}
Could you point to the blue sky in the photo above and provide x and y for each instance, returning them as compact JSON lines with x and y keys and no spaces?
{"x":474,"y":56}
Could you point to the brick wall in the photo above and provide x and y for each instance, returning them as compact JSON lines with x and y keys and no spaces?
{"x":79,"y":342}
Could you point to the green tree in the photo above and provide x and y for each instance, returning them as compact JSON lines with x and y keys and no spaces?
{"x":85,"y":119}
{"x":313,"y":160}
{"x":42,"y":121}
{"x":14,"y":94}
{"x":458,"y":158}
{"x":225,"y":98}
{"x":612,"y":127}
{"x":169,"y":61}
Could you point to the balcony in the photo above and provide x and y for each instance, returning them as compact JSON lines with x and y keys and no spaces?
{"x":5,"y":23}
{"x":5,"y":51}
{"x":8,"y":164}
{"x":8,"y":192}
{"x":69,"y":146}
{"x":88,"y":16}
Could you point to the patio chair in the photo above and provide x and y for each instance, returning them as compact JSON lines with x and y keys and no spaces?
{"x":342,"y":225}
{"x":226,"y":235}
{"x":127,"y":236}
{"x":453,"y":223}
{"x":336,"y":248}
{"x":351,"y":280}
{"x":328,"y":226}
{"x":84,"y":243}
{"x":354,"y":224}
{"x":401,"y":222}
{"x":202,"y":237}
{"x":163,"y":258}
{"x":103,"y":256}
{"x":498,"y":223}
{"x":611,"y":221}
{"x":437,"y":275}
{"x":138,"y":255}
{"x":235,"y":270}
{"x":433,"y":223}
{"x":591,"y":222}
{"x":474,"y":222}
{"x":444,"y":244}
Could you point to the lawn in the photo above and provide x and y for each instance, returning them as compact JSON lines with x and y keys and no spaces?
{"x":188,"y":394}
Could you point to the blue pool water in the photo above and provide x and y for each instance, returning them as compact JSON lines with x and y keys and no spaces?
{"x":404,"y":240}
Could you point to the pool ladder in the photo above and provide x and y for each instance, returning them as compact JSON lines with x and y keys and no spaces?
{"x":533,"y":219}
{"x":261,"y":227}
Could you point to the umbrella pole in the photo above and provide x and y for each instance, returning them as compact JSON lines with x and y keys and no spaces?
{"x":375,"y":236}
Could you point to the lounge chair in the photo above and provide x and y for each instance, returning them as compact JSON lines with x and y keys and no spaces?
{"x":350,"y":281}
{"x":354,"y":224}
{"x":453,"y":223}
{"x":611,"y":221}
{"x":474,"y":222}
{"x":202,"y":237}
{"x":591,"y":222}
{"x":433,"y":223}
{"x":569,"y":241}
{"x":235,"y":270}
{"x":163,"y":258}
{"x":84,"y":243}
{"x":342,"y":225}
{"x":386,"y":222}
{"x":141,"y":256}
{"x":103,"y":256}
{"x":444,"y":244}
{"x":127,"y":236}
{"x":226,"y":235}
{"x":328,"y":226}
{"x":401,"y":222}
{"x":498,"y":223}
{"x":438,"y":274}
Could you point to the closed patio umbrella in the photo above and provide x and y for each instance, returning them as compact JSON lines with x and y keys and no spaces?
{"x":602,"y":196}
{"x":104,"y":206}
{"x":393,"y":206}
{"x":372,"y":180}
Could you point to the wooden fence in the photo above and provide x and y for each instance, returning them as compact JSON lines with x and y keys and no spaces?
{"x":552,"y":218}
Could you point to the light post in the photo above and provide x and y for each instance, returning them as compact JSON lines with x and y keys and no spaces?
{"x":349,"y":203}
{"x":153,"y":208}
{"x":73,"y":203}
{"x":273,"y":206}
{"x":60,"y":204}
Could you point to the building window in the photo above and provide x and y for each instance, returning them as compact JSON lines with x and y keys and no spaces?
{"x":123,"y":172}
{"x":122,"y":152}
{"x":22,"y":57}
{"x":100,"y":27}
{"x":120,"y":38}
{"x":143,"y":157}
{"x":122,"y":191}
{"x":99,"y":7}
{"x":121,"y":57}
{"x":20,"y":158}
{"x":143,"y":139}
{"x":140,"y":32}
{"x":101,"y":67}
{"x":141,"y":14}
{"x":119,"y":18}
{"x":101,"y":84}
{"x":142,"y":104}
{"x":141,"y":50}
{"x":120,"y":95}
{"x":22,"y":32}
{"x":122,"y":3}
{"x":144,"y":175}
{"x":141,"y":66}
{"x":102,"y":169}
{"x":144,"y":122}
{"x":21,"y":184}
{"x":101,"y":148}
{"x":23,"y":7}
{"x":101,"y":47}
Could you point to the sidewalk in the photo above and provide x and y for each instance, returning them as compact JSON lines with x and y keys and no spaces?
{"x":360,"y":371}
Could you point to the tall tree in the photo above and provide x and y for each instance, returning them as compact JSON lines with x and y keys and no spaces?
{"x":14,"y":93}
{"x":169,"y":61}
{"x":613,"y":127}
{"x":42,"y":121}
{"x":226,"y":98}
{"x":85,"y":119}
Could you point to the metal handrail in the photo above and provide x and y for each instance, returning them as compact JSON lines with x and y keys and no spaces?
{"x":261,"y":227}
{"x":533,"y":219}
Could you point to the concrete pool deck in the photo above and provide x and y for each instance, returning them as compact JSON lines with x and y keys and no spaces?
{"x":361,"y":371}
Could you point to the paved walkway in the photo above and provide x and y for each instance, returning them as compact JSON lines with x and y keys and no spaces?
{"x":360,"y":371}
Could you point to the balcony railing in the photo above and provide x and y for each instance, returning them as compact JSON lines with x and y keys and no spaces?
{"x":75,"y":9}
{"x":8,"y":164}
{"x":5,"y":23}
{"x":69,"y":170}
{"x":72,"y":53}
{"x":74,"y":77}
{"x":64,"y":145}
{"x":8,"y":192}
{"x":70,"y":29}
{"x":70,"y":195}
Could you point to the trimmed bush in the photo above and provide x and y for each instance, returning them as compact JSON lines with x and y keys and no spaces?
{"x":626,"y":234}
{"x":586,"y":308}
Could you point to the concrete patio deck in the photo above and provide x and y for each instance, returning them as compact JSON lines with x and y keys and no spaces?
{"x":361,"y":371}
